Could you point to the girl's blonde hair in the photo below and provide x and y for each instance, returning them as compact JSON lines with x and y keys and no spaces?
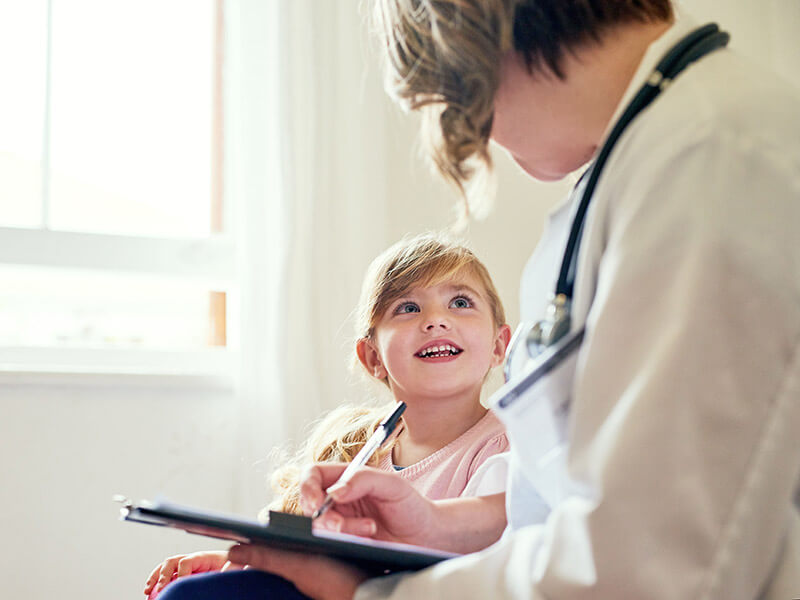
{"x":337,"y":437}
{"x":423,"y":260}
{"x":443,"y":57}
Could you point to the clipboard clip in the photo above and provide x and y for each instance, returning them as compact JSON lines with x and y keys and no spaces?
{"x":295,"y":523}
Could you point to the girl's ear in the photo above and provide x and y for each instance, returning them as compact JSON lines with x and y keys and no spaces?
{"x":369,"y":356}
{"x":500,"y":344}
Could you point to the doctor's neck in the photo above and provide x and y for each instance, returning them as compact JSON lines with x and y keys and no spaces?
{"x":598,"y":74}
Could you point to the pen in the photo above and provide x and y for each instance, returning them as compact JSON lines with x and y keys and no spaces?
{"x":375,"y":441}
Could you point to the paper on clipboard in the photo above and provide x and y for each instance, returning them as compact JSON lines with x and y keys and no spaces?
{"x":288,"y":532}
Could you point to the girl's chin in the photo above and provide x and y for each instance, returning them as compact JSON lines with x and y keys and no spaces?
{"x":444,"y":392}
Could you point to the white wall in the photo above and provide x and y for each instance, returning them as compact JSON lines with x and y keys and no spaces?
{"x":66,"y":447}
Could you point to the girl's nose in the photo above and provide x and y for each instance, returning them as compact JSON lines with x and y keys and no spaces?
{"x":437,"y":321}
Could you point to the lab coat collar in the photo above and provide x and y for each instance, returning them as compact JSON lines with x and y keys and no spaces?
{"x":569,"y":201}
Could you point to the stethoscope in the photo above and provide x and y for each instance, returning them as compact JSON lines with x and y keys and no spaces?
{"x":549,"y":335}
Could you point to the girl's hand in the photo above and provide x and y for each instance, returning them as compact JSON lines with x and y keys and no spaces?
{"x":182,"y":565}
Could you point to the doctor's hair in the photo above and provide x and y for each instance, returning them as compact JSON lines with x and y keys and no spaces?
{"x":423,"y":260}
{"x":443,"y":57}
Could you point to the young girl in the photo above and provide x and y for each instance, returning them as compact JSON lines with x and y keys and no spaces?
{"x":430,"y":326}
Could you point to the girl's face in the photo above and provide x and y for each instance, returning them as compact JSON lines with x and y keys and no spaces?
{"x":436,"y":342}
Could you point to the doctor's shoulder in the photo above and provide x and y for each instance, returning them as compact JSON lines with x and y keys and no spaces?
{"x":715,"y":106}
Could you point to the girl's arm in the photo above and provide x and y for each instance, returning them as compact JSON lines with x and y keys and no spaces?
{"x":466,"y":525}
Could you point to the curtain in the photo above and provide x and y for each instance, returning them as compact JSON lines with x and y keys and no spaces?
{"x":308,"y":171}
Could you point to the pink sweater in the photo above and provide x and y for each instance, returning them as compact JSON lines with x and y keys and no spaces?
{"x":446,"y":472}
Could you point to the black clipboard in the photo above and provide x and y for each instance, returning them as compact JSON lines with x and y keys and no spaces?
{"x":288,"y":532}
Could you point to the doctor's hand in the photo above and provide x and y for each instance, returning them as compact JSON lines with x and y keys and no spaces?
{"x":383,"y":505}
{"x":373,"y":503}
{"x":318,"y":577}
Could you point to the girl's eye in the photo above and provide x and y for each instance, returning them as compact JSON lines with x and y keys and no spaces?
{"x":461,"y":302}
{"x":406,"y":307}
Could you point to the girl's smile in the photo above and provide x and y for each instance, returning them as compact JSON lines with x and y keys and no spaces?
{"x":439,"y":350}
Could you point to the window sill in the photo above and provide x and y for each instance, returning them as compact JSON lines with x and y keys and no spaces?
{"x":117,"y":380}
{"x":211,"y":369}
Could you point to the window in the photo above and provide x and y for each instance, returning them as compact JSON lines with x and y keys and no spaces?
{"x":115,"y":246}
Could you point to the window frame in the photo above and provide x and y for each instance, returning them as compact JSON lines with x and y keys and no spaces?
{"x":211,"y":260}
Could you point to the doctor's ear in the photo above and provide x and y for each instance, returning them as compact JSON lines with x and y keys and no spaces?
{"x":369,"y":356}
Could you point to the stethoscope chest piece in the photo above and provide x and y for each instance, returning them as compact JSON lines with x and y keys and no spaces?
{"x":536,"y":337}
{"x":552,"y":327}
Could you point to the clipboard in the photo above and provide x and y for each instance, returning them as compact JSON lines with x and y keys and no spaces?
{"x":288,"y":532}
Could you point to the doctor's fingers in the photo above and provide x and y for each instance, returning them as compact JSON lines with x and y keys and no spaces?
{"x":314,"y":481}
{"x":360,"y":526}
{"x":334,"y":520}
{"x":381,"y":490}
{"x":369,"y":483}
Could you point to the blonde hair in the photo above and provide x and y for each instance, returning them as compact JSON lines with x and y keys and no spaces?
{"x":443,"y":57}
{"x":423,"y":260}
{"x":337,"y":437}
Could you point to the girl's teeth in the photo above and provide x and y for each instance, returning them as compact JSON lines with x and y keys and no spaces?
{"x":439,"y":349}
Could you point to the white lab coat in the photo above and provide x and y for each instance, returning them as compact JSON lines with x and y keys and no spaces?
{"x":684,"y":426}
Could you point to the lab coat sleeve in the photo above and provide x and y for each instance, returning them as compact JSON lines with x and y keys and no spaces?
{"x":685,"y":413}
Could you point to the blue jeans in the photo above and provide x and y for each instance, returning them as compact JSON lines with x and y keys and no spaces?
{"x":249,"y":584}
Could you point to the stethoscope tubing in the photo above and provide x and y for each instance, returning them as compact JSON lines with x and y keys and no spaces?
{"x":692,"y":47}
{"x":695,"y":45}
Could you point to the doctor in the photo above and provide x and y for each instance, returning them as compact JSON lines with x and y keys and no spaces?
{"x":668,"y":457}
